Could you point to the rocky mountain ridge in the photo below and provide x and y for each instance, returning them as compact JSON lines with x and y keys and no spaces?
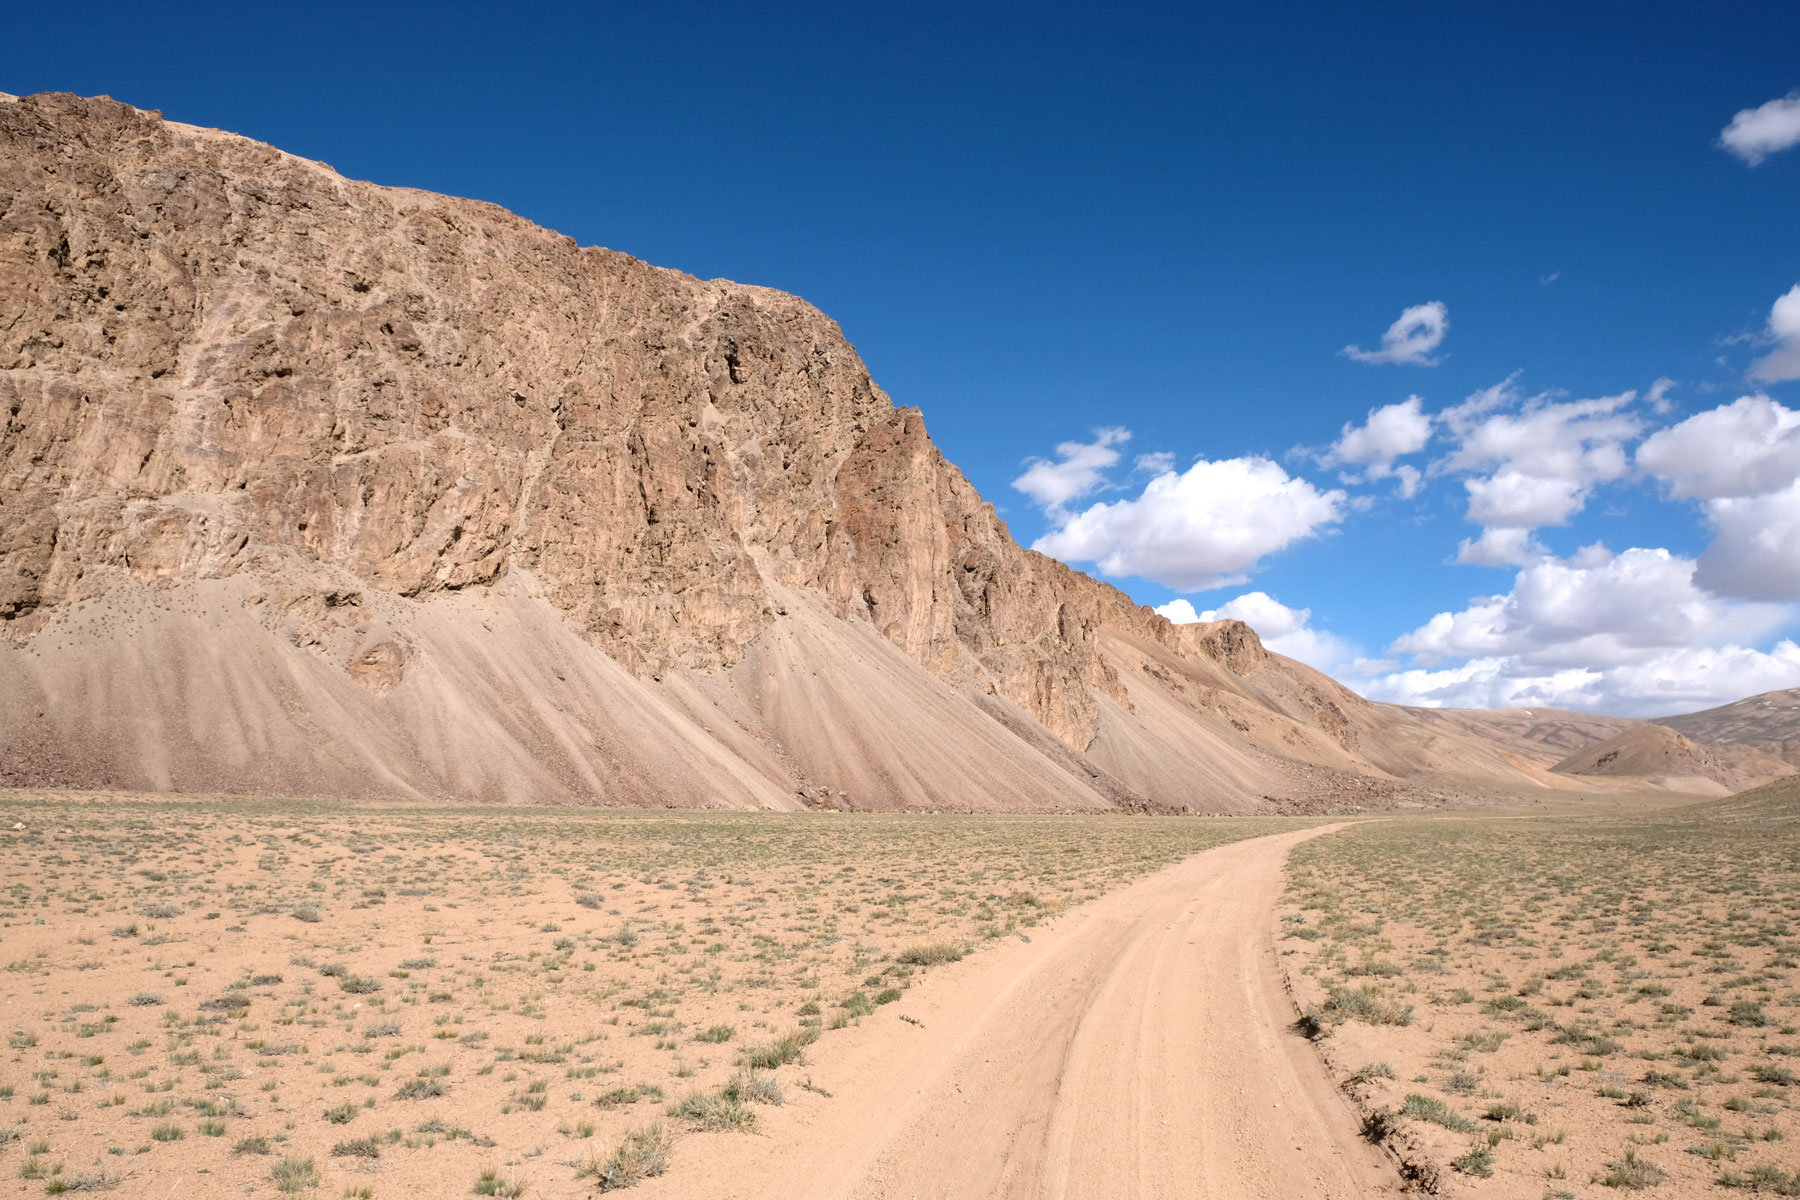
{"x":313,"y":485}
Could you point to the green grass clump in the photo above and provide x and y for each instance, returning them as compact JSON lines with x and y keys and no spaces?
{"x":492,"y":1183}
{"x":790,"y":1048}
{"x":424,"y":1087}
{"x":1479,"y":1161}
{"x":294,"y":1174}
{"x":641,"y":1154}
{"x":1631,"y":1172}
{"x":1764,"y":1178}
{"x":713,"y":1111}
{"x":929,"y":954}
{"x":1368,"y":1004}
{"x":1435,"y":1110}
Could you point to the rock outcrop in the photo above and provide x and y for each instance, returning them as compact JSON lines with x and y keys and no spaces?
{"x":213,"y":351}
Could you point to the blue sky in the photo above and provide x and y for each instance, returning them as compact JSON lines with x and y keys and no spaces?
{"x":1040,"y":223}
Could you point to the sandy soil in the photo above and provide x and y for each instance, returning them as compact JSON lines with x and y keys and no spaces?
{"x":1141,"y":1047}
{"x":395,"y":1001}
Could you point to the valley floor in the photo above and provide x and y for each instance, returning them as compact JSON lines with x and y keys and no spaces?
{"x":221,"y":996}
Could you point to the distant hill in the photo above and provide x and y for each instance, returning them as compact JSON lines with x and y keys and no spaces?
{"x":1769,"y":722}
{"x":1658,"y":753}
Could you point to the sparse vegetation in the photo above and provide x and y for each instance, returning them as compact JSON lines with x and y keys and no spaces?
{"x":640,"y":1154}
{"x":1638,"y":975}
{"x":930,"y":954}
{"x":493,"y":1183}
{"x":294,"y":1174}
{"x":304,"y":987}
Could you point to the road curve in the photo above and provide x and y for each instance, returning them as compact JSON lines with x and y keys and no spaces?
{"x":1142,"y":1048}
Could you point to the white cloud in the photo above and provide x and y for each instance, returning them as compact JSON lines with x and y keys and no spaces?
{"x":1658,"y":396}
{"x":1632,"y":632}
{"x":1156,"y":462}
{"x":1078,"y":469}
{"x":1411,"y":339}
{"x":1532,"y":462}
{"x":1512,"y":499}
{"x":1180,"y":611}
{"x":1744,"y":448}
{"x":1500,"y":548}
{"x":1755,"y":551}
{"x":1756,"y":133}
{"x":1201,"y":528}
{"x":1261,"y":612}
{"x":1575,"y":439}
{"x":1742,"y":462}
{"x":1460,"y":418}
{"x":1663,"y":683}
{"x":1282,"y":629}
{"x":1783,"y":362}
{"x":1387,"y":434}
{"x":1595,"y":607}
{"x":1704,"y":676}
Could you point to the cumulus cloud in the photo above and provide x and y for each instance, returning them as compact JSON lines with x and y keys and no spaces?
{"x":1742,"y":462}
{"x":1533,"y":461}
{"x":1079,"y":467}
{"x":1570,"y":439}
{"x":1783,"y":362}
{"x":1662,"y":684}
{"x":1755,"y":551}
{"x":1515,"y":499}
{"x":1372,"y":450}
{"x":1411,"y":339}
{"x":1632,"y":632}
{"x":1756,"y":133}
{"x":1180,"y":611}
{"x":1744,"y":448}
{"x":1500,"y":548}
{"x":1282,"y":629}
{"x":1594,"y":607}
{"x":1205,"y":527}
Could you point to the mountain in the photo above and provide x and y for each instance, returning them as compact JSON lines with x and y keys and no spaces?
{"x":313,"y":486}
{"x":1656,"y":752}
{"x":1768,"y":723}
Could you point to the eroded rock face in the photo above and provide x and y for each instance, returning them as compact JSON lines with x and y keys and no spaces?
{"x":215,"y":357}
{"x":308,"y":485}
{"x":380,"y":667}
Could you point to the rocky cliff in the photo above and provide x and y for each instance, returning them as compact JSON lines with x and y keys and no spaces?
{"x":310,"y":484}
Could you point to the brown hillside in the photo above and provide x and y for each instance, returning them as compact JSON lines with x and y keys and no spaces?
{"x":1656,"y":752}
{"x":1769,"y":722}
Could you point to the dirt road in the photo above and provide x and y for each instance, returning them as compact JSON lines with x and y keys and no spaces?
{"x":1139,"y":1049}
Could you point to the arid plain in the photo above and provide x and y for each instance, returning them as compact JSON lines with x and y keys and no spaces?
{"x":214,"y":994}
{"x":217,"y":995}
